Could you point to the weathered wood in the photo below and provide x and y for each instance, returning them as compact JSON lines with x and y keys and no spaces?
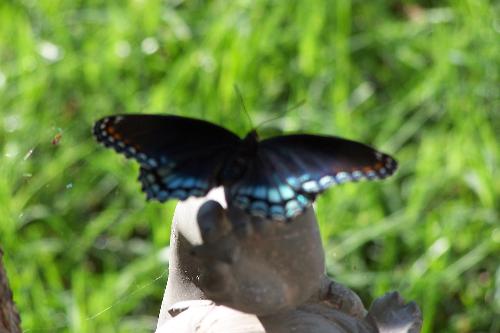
{"x":9,"y":317}
{"x":262,"y":277}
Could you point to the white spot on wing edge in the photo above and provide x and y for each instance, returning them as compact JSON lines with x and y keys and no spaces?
{"x":311,"y":186}
{"x":356,"y":175}
{"x":342,"y":177}
{"x":326,"y":181}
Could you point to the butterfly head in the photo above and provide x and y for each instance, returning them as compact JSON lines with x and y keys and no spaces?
{"x":249,"y":145}
{"x":251,"y":138}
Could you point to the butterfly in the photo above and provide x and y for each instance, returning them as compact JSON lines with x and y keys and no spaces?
{"x":276,"y":178}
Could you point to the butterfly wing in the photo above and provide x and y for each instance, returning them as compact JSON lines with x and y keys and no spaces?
{"x":179,"y":157}
{"x":289,"y":171}
{"x":264,"y":192}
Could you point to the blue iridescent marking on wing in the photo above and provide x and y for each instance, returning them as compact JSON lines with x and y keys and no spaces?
{"x":277,"y":212}
{"x":175,"y":182}
{"x":263,"y":192}
{"x":303,"y":200}
{"x":293,"y":182}
{"x":292,"y":208}
{"x":273,"y":195}
{"x":260,"y":192}
{"x":188,"y":182}
{"x":259,"y":208}
{"x":286,"y":191}
{"x":175,"y":186}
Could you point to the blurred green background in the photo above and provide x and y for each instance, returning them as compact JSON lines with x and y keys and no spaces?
{"x":419,"y":80}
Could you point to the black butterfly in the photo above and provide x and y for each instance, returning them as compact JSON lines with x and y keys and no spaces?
{"x":277,"y":178}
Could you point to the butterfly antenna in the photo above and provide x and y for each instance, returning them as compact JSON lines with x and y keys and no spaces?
{"x":282,"y":113}
{"x":240,"y":96}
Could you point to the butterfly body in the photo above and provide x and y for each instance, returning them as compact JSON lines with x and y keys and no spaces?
{"x":237,"y":163}
{"x":277,"y":178}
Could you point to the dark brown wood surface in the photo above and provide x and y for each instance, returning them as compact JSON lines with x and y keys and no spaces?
{"x":9,"y":317}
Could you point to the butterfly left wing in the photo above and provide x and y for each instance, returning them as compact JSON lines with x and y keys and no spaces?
{"x":179,"y":157}
{"x":289,"y":171}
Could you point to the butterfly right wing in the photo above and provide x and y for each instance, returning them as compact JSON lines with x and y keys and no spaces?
{"x":264,"y":192}
{"x":290,"y":171}
{"x":179,"y":157}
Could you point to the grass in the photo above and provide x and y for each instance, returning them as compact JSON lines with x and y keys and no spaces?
{"x":418,"y":80}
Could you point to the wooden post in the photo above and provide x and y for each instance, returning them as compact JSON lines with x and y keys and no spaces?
{"x":9,"y":317}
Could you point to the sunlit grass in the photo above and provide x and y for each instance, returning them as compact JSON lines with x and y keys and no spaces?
{"x":82,"y":247}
